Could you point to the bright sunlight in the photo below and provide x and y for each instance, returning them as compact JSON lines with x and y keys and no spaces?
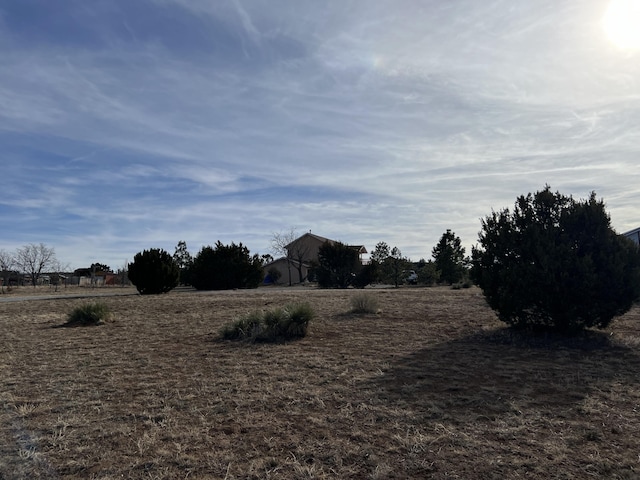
{"x":622,"y":23}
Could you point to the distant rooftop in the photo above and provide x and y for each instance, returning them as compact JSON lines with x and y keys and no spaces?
{"x":633,"y":235}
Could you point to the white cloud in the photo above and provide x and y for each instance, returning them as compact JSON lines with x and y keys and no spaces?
{"x":362,"y":121}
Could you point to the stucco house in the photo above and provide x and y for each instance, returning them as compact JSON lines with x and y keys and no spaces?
{"x":302,"y":254}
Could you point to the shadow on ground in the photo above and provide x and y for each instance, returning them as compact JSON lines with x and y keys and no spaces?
{"x":496,"y":372}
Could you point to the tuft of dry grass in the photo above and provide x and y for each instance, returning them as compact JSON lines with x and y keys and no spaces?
{"x":433,"y":387}
{"x":363,"y":303}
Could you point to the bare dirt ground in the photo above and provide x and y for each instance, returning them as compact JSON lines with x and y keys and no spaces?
{"x":433,"y":386}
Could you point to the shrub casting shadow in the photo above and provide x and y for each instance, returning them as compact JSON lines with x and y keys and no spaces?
{"x":501,"y":371}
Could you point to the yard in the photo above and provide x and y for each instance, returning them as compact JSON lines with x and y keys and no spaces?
{"x":432,"y":386}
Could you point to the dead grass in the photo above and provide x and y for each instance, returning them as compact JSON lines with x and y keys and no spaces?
{"x":431,"y":387}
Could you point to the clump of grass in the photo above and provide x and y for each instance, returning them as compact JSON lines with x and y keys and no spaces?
{"x":89,"y":314}
{"x":280,"y":324}
{"x":364,"y":303}
{"x":298,"y":316}
{"x":245,"y":327}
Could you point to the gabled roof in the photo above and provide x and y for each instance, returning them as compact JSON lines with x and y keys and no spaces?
{"x":309,"y":234}
{"x":359,"y":248}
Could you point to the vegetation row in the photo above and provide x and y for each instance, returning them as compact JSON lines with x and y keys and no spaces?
{"x":552,"y":263}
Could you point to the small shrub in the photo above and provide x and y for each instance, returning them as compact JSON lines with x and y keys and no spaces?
{"x":89,"y":314}
{"x":364,"y":303}
{"x":296,"y":320}
{"x":245,"y":327}
{"x":274,"y":325}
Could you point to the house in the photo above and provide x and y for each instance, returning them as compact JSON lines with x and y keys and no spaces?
{"x":302,"y":254}
{"x":633,"y":235}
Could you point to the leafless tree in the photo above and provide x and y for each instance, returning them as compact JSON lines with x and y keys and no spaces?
{"x":35,"y":259}
{"x":7,"y":262}
{"x":279,"y":242}
{"x":295,"y":253}
{"x":298,"y":252}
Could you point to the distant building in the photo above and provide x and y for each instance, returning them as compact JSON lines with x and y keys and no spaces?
{"x":633,"y":235}
{"x":302,"y":254}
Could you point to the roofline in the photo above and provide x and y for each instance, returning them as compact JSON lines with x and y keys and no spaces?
{"x":309,"y":234}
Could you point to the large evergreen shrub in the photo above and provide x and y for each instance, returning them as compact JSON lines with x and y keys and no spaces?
{"x":337,"y":265}
{"x":555,"y":263}
{"x":226,"y":267}
{"x":154,"y":271}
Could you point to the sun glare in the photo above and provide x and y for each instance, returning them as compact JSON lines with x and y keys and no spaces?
{"x":622,"y":23}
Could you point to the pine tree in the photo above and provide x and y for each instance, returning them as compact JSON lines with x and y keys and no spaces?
{"x":449,"y":258}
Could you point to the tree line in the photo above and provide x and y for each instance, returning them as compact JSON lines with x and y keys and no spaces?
{"x":221,"y":267}
{"x":552,"y":263}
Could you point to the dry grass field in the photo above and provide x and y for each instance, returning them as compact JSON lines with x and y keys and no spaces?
{"x":432,"y":386}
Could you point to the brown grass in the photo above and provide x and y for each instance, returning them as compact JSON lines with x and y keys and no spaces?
{"x":432,"y":386}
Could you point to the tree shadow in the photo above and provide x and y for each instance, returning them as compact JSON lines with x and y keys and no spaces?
{"x":501,"y":371}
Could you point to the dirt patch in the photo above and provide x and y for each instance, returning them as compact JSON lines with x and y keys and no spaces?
{"x":430,"y":387}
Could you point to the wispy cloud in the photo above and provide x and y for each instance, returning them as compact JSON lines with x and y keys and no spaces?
{"x":125,"y":126}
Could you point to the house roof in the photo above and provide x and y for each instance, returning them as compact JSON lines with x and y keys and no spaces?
{"x":633,"y":234}
{"x":359,"y":248}
{"x":312,"y":235}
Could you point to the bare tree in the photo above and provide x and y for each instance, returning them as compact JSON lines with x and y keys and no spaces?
{"x":279,"y":243}
{"x":298,"y":252}
{"x":57,"y":269}
{"x":7,"y":262}
{"x":34,"y":259}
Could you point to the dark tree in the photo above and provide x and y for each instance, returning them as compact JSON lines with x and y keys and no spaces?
{"x":153,"y":271}
{"x":555,"y":263}
{"x":365,"y":276}
{"x":380,"y":253}
{"x":377,"y":260}
{"x":449,"y":259}
{"x":395,"y":265}
{"x":100,"y":267}
{"x":427,"y":272}
{"x":337,"y":265}
{"x":226,"y":267}
{"x":7,"y":262}
{"x":266,"y":258}
{"x":184,"y":260}
{"x":388,"y":264}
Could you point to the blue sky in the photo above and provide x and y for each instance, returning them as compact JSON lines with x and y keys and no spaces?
{"x":133,"y":124}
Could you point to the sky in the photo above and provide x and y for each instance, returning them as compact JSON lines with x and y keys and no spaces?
{"x":134,"y":124}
